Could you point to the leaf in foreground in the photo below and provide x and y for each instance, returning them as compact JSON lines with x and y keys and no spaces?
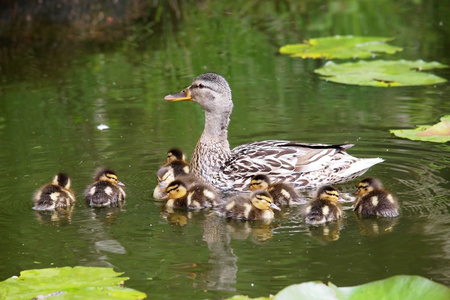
{"x":396,"y":287}
{"x":438,"y":133}
{"x":68,"y":283}
{"x":381,"y":73}
{"x":343,"y":47}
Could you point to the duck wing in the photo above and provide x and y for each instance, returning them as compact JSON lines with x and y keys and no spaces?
{"x":303,"y":165}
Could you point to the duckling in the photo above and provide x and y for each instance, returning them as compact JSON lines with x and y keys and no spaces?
{"x":324,"y":208}
{"x":373,"y":200}
{"x":257,"y":206}
{"x":175,"y":154}
{"x":167,"y":173}
{"x":282,"y":193}
{"x":54,"y":195}
{"x":106,"y":190}
{"x":196,"y":196}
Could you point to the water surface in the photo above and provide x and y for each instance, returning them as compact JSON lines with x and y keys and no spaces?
{"x":51,"y":106}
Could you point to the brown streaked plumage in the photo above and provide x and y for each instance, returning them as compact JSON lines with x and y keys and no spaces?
{"x":54,"y":195}
{"x":303,"y":165}
{"x":373,"y":200}
{"x":282,"y":193}
{"x":324,"y":208}
{"x":106,"y":190}
{"x":256,"y":206}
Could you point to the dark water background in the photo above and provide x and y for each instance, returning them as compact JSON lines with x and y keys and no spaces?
{"x":56,"y":90}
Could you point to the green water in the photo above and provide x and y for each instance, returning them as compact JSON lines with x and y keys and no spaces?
{"x":52,"y":100}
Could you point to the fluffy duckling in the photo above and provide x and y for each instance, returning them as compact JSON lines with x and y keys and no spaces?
{"x":54,"y":195}
{"x":324,"y":208}
{"x":106,"y":190}
{"x":282,"y":193}
{"x":195,"y":196}
{"x":167,"y":173}
{"x":175,"y":154}
{"x":257,"y":206}
{"x":373,"y":200}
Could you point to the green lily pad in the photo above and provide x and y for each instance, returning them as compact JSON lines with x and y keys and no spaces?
{"x":438,"y":133}
{"x":68,"y":283}
{"x":381,"y":73}
{"x":396,"y":287}
{"x":343,"y":47}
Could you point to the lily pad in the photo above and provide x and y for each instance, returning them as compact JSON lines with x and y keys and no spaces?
{"x":381,"y":73}
{"x":396,"y":287}
{"x":343,"y":47}
{"x":68,"y":283}
{"x":438,"y":133}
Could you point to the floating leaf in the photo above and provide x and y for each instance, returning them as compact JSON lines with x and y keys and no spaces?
{"x":381,"y":73}
{"x":340,"y":47}
{"x":396,"y":287}
{"x":438,"y":133}
{"x":67,"y":282}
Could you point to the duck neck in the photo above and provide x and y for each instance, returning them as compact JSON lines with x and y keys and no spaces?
{"x":212,"y":149}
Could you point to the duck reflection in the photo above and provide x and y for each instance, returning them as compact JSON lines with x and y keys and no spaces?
{"x":370,"y":225}
{"x":328,"y":232}
{"x":61,"y":216}
{"x":95,"y":231}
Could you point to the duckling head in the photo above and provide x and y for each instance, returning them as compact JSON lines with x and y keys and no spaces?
{"x":175,"y":154}
{"x":328,"y":193}
{"x":262,"y":200}
{"x":167,"y":173}
{"x":62,"y":180}
{"x":260,"y":182}
{"x":367,"y":185}
{"x":106,"y":174}
{"x":176,"y":189}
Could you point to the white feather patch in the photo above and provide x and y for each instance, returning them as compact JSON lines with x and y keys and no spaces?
{"x":54,"y":196}
{"x":92,"y":191}
{"x":286,"y":194}
{"x":374,"y":200}
{"x":390,"y":198}
{"x":326,"y":210}
{"x":108,"y":191}
{"x":208,"y":194}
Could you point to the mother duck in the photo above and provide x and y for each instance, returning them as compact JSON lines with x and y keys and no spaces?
{"x":303,"y":165}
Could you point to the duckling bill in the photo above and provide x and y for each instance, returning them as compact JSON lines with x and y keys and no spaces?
{"x":54,"y":195}
{"x":106,"y":190}
{"x":373,"y":200}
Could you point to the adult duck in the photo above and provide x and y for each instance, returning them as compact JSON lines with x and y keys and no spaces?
{"x":303,"y":165}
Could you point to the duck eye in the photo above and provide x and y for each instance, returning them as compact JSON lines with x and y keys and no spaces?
{"x":200,"y":85}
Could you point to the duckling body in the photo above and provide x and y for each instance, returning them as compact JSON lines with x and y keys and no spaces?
{"x":257,"y":206}
{"x":195,"y":196}
{"x":324,"y":208}
{"x":282,"y":193}
{"x":106,"y":190}
{"x":54,"y":195}
{"x":373,"y":200}
{"x":303,"y":165}
{"x":168,"y":173}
